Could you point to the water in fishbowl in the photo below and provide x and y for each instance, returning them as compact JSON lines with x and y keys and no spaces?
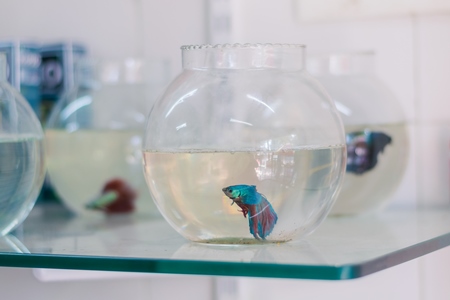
{"x":297,"y":186}
{"x":377,"y":157}
{"x":83,"y":162}
{"x":21,"y":175}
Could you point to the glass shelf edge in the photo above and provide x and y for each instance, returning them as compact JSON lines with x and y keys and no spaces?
{"x":433,"y":241}
{"x":401,"y":256}
{"x":167,"y":266}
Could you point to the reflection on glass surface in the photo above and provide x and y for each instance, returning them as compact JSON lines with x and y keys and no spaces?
{"x":9,"y":243}
{"x":271,"y":253}
{"x":261,"y":102}
{"x":181,"y":100}
{"x":276,"y":166}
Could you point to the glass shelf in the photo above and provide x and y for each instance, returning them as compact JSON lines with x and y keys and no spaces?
{"x":342,"y":248}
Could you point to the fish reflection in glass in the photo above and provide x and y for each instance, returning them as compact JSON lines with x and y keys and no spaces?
{"x":261,"y":215}
{"x":363,"y":148}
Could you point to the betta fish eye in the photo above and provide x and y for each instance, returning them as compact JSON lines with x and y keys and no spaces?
{"x":230,"y":190}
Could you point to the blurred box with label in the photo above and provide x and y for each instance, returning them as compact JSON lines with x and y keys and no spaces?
{"x":57,"y":72}
{"x":23,"y":61}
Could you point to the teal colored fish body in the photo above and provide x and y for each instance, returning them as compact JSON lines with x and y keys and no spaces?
{"x":261,"y":215}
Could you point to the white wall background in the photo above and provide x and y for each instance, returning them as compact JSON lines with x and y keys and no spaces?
{"x":110,"y":29}
{"x":413,"y":59}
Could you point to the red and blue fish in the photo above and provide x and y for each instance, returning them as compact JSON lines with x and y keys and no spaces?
{"x":363,"y":148}
{"x":261,"y":215}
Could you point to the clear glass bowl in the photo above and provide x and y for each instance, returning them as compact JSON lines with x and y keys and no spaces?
{"x":22,"y":165}
{"x":94,"y":137}
{"x":244,"y":146}
{"x":376,"y":132}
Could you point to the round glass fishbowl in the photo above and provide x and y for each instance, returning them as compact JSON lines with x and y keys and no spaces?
{"x":244,"y":146}
{"x":375,"y":126}
{"x":22,"y":164}
{"x":94,"y":138}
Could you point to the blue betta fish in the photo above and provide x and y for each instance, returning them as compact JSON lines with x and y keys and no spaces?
{"x":261,"y":216}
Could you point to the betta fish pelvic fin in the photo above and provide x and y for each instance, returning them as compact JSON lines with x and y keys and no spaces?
{"x":261,"y":215}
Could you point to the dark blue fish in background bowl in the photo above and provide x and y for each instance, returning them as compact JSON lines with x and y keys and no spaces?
{"x":261,"y":215}
{"x":363,"y":148}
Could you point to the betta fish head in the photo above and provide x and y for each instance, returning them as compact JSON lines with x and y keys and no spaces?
{"x":231,"y":192}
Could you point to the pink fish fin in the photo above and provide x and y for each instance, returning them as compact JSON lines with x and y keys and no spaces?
{"x":262,"y":218}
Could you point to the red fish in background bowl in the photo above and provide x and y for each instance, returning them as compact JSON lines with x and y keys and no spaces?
{"x":117,"y":197}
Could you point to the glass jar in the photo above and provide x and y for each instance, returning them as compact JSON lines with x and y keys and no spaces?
{"x":244,"y":146}
{"x":376,"y":133}
{"x":94,"y":137}
{"x":22,"y":165}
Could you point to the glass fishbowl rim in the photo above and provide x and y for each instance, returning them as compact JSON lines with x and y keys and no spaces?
{"x":244,"y":46}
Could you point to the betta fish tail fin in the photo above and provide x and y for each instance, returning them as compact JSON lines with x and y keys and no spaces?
{"x":262,"y":218}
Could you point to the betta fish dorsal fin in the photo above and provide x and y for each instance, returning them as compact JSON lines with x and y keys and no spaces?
{"x":250,"y":196}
